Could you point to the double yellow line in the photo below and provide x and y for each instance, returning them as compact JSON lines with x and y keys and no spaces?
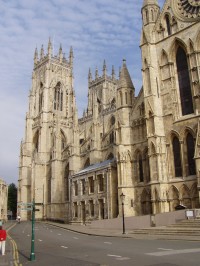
{"x":14,"y":248}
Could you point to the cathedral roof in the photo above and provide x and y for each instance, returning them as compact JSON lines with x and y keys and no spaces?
{"x":125,"y":79}
{"x":96,"y":166}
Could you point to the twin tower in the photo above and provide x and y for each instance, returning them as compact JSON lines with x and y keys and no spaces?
{"x":145,"y":147}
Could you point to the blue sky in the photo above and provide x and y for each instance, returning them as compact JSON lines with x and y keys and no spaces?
{"x":97,"y":30}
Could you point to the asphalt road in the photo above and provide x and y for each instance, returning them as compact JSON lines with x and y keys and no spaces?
{"x":55,"y":246}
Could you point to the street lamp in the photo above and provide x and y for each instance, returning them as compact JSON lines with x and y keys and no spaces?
{"x":122,"y":196}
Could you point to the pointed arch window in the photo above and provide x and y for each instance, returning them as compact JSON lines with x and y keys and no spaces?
{"x":177,"y":157}
{"x":168,"y":24}
{"x":141,"y":176}
{"x":58,"y":97}
{"x":126,"y":97}
{"x":121,"y":100}
{"x":152,"y":15}
{"x":66,"y":180}
{"x":190,"y":154}
{"x":63,"y":141}
{"x":147,"y":166}
{"x":184,"y":82}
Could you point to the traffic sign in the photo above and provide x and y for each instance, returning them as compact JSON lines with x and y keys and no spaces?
{"x":26,"y":209}
{"x":26,"y":204}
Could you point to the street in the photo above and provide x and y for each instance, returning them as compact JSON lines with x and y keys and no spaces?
{"x":57,"y":246}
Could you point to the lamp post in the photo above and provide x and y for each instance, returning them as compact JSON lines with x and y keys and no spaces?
{"x":122,"y":196}
{"x":32,"y":255}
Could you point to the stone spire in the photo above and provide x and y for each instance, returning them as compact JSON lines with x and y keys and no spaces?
{"x":104,"y":68}
{"x":71,"y":56}
{"x":89,"y":76}
{"x":36,"y":56}
{"x":42,"y":52}
{"x":60,"y":53}
{"x":125,"y":79}
{"x":113,"y":72}
{"x":150,"y":12}
{"x":49,"y":48}
{"x":96,"y":73}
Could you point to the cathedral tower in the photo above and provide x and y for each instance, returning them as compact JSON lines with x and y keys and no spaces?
{"x":125,"y":99}
{"x":52,"y":112}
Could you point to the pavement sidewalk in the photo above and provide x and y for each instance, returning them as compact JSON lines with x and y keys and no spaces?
{"x":7,"y":259}
{"x":88,"y":230}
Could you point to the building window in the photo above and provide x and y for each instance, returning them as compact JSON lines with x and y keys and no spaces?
{"x":121,"y":99}
{"x":91,"y":206}
{"x":91,"y":184}
{"x":111,"y":137}
{"x":40,"y":102}
{"x":101,"y":209}
{"x":168,"y":24}
{"x":141,"y":176}
{"x":100,"y":183}
{"x":58,"y":97}
{"x":184,"y":82}
{"x":75,"y":210}
{"x":75,"y":188}
{"x":83,"y":187}
{"x":49,"y":190}
{"x":190,"y":154}
{"x":177,"y":157}
{"x":66,"y":178}
{"x":41,"y":98}
{"x":63,"y":141}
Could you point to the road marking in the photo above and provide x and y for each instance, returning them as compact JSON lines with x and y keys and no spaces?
{"x":40,"y":240}
{"x":59,"y":234}
{"x":109,"y":243}
{"x":116,"y":256}
{"x":165,"y":248}
{"x":28,"y":235}
{"x":63,"y":247}
{"x":75,"y":237}
{"x":15,"y":249}
{"x":173,"y":252}
{"x":123,"y":258}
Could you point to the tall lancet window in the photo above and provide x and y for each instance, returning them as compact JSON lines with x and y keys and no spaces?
{"x":184,"y":82}
{"x":168,"y":25}
{"x":190,"y":154}
{"x":177,"y":157}
{"x":41,"y":97}
{"x":58,"y":97}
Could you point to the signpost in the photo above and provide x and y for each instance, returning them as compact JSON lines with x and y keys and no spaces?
{"x":30,"y":206}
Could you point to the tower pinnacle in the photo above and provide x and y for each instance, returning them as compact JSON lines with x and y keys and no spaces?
{"x":36,"y":56}
{"x":49,"y":48}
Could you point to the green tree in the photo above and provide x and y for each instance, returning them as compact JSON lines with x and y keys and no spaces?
{"x":12,"y":199}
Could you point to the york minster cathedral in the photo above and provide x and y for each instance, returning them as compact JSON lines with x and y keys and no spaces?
{"x":146,"y":146}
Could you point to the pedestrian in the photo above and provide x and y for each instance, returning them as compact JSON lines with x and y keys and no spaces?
{"x":18,"y":219}
{"x":3,"y":235}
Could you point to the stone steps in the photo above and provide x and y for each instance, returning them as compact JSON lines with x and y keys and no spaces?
{"x":183,"y":228}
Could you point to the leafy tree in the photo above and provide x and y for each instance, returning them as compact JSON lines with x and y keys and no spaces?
{"x":12,"y":198}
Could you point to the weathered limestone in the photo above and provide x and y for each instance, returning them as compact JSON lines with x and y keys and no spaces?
{"x":145,"y":146}
{"x":3,"y":200}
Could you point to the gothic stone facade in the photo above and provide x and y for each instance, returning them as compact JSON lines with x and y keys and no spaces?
{"x":3,"y":200}
{"x":146,"y":147}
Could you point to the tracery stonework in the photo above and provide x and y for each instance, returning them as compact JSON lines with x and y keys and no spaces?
{"x":77,"y":168}
{"x":189,"y":8}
